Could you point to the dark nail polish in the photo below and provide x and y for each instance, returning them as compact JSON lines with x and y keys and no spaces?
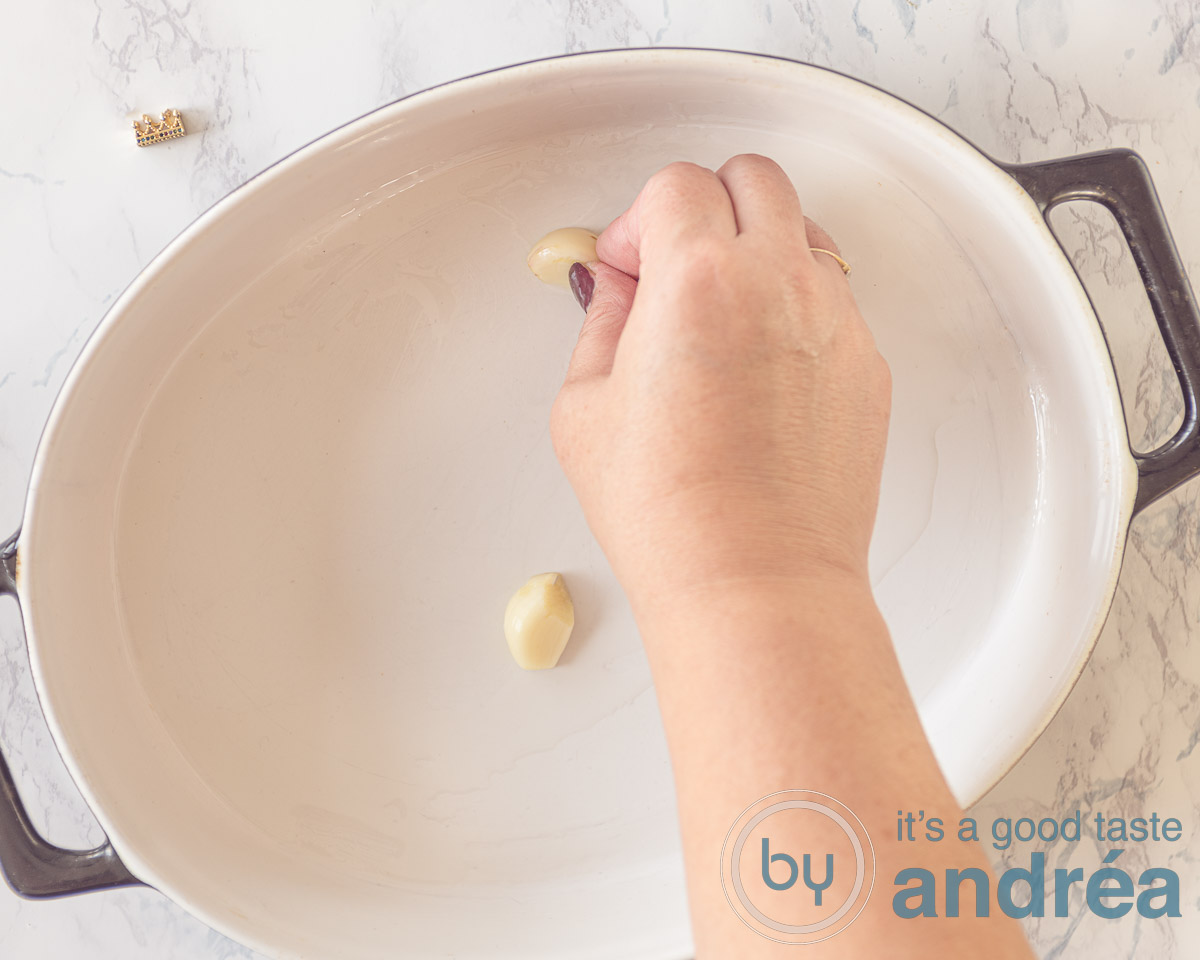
{"x":583,"y":284}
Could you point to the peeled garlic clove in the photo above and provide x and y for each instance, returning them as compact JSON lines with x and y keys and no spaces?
{"x":538,"y":621}
{"x":552,"y":256}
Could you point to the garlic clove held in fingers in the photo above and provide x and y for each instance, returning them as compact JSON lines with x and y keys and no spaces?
{"x":552,"y":256}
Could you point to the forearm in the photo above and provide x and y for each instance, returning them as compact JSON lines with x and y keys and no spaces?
{"x":796,"y":686}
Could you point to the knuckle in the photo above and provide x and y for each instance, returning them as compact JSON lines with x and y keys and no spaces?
{"x":676,"y":181}
{"x":753,"y":164}
{"x":681,"y":171}
{"x":763,"y":178}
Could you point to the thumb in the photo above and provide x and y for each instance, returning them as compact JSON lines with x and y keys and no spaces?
{"x":606,"y":294}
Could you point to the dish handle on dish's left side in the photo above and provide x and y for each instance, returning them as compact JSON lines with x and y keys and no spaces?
{"x":34,"y":867}
{"x":1120,"y":181}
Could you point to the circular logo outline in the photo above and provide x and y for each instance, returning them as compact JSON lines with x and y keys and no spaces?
{"x":734,"y":858}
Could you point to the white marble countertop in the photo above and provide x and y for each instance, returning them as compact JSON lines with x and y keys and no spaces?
{"x":84,"y":210}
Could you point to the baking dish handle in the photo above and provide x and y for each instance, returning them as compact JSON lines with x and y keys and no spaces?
{"x":34,"y":867}
{"x":1120,"y":181}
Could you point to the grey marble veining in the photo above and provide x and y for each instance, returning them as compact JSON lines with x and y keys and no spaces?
{"x":83,"y":211}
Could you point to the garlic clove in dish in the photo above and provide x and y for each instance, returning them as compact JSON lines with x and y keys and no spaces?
{"x":552,"y":256}
{"x":538,"y":621}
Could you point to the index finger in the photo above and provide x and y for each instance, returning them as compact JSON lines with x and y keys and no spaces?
{"x":681,"y":201}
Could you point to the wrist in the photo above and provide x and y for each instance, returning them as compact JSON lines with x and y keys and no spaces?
{"x":825,"y":593}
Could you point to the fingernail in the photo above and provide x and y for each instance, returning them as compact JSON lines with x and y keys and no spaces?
{"x":583,"y":284}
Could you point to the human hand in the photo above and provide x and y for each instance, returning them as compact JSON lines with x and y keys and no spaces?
{"x":724,"y":416}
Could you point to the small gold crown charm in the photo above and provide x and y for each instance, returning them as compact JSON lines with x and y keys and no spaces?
{"x":151,"y":131}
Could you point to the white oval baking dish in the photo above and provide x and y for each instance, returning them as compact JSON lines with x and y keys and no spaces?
{"x":296,"y":472}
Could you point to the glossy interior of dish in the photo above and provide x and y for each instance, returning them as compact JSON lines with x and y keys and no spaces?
{"x":284,"y":500}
